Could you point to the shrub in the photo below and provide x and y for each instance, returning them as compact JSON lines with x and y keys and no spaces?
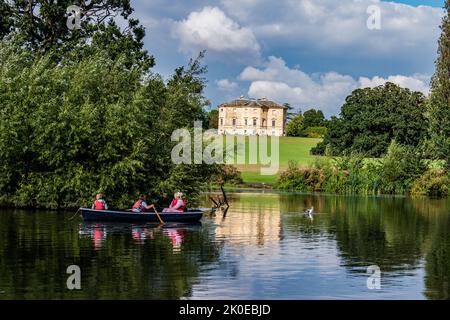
{"x":355,"y":174}
{"x":434,"y":182}
{"x":319,"y":150}
{"x":301,"y":179}
{"x":229,"y":175}
{"x":315,"y":132}
{"x":400,"y":167}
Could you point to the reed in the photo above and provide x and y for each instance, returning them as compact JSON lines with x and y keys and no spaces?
{"x":401,"y":171}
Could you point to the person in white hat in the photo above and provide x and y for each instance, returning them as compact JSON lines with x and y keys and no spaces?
{"x":178,"y":204}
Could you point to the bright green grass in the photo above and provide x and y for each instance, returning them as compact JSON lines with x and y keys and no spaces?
{"x":256,"y":177}
{"x":290,"y":149}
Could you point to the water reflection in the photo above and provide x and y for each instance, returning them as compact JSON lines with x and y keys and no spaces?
{"x":252,"y":221}
{"x":139,"y":233}
{"x":407,"y":238}
{"x":263,"y":249}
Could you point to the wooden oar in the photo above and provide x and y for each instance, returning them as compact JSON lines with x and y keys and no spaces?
{"x":159,"y":217}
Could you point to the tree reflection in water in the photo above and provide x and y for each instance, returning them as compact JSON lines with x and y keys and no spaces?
{"x":117,"y":261}
{"x":264,"y":248}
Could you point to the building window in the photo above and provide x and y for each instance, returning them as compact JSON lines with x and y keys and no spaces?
{"x":245,"y":121}
{"x":221,"y":121}
{"x":264,"y":122}
{"x":273,"y":123}
{"x":234,"y":122}
{"x":221,"y":109}
{"x":254,"y":122}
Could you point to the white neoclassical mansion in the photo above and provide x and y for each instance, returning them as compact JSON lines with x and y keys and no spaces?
{"x":252,"y":117}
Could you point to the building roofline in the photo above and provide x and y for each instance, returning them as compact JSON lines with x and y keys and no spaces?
{"x":243,"y":102}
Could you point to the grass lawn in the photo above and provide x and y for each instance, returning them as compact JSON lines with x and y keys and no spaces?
{"x":296,"y":149}
{"x":290,"y":149}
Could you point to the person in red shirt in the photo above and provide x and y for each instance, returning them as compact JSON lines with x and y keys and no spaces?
{"x":141,"y":205}
{"x":99,"y":203}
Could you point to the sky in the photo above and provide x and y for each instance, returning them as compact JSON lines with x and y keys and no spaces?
{"x":309,"y":53}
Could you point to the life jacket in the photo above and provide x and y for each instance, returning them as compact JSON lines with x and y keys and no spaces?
{"x":138,"y":205}
{"x":99,"y":205}
{"x":182,"y":208}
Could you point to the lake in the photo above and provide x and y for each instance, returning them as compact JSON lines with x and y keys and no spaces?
{"x":264,"y":248}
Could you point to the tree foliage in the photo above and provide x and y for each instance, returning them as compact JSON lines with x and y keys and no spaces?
{"x":295,"y":126}
{"x":395,"y":173}
{"x":74,"y":128}
{"x":213,"y":119}
{"x":41,"y":26}
{"x":310,"y":124}
{"x":313,"y":118}
{"x":439,"y":102}
{"x":371,"y":118}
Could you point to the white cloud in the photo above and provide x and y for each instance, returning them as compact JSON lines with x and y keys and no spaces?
{"x":212,"y":30}
{"x":226,"y":85}
{"x":318,"y":35}
{"x":339,"y":27}
{"x":325,"y":91}
{"x":416,"y":82}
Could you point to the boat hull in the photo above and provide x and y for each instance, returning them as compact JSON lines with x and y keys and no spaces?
{"x":122,"y":216}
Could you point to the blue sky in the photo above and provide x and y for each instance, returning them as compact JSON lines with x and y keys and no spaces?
{"x":310,"y":53}
{"x":433,"y":3}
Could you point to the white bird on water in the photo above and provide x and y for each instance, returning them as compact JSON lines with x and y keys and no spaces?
{"x":309,"y":213}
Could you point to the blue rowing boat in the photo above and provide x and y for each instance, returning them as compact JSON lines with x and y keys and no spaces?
{"x":192,"y":215}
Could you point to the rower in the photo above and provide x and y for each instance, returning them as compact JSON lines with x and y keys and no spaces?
{"x":99,"y":203}
{"x":141,"y":205}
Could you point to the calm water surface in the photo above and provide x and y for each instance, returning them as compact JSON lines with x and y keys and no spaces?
{"x":263,"y":249}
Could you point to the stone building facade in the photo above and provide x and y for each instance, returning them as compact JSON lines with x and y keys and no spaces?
{"x":252,"y":117}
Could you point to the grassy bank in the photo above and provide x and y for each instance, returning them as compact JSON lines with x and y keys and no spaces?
{"x":401,"y":171}
{"x":291,"y":149}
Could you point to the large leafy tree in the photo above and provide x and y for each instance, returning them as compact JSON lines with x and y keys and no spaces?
{"x":371,"y":118}
{"x":41,"y":25}
{"x":313,"y":118}
{"x":69,"y":130}
{"x":295,"y":126}
{"x":80,"y":112}
{"x":439,"y":102}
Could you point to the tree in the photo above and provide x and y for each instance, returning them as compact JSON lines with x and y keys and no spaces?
{"x":313,"y":118}
{"x":5,"y":19}
{"x":41,"y":26}
{"x":74,"y":128}
{"x":213,"y":119}
{"x":295,"y":126}
{"x":372,"y":117}
{"x":289,"y":113}
{"x":439,"y":101}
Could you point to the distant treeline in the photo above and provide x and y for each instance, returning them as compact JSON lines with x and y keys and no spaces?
{"x":311,"y":123}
